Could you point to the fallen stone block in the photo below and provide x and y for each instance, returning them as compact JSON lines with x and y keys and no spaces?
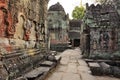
{"x":37,"y":72}
{"x":105,"y":68}
{"x":115,"y":71}
{"x":47,"y":63}
{"x":95,"y":68}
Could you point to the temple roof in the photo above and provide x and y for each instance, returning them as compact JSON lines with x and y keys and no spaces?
{"x":56,"y":7}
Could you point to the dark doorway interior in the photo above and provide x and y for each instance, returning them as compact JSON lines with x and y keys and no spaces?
{"x":76,"y":42}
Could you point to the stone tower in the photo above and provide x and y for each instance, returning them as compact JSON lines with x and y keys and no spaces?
{"x":58,"y":25}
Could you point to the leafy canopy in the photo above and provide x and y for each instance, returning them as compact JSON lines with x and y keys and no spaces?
{"x":78,"y":12}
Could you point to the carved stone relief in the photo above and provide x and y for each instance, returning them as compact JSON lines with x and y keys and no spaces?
{"x":18,"y":20}
{"x":19,"y":34}
{"x":27,"y":27}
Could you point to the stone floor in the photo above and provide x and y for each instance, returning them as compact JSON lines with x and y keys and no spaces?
{"x":72,"y":67}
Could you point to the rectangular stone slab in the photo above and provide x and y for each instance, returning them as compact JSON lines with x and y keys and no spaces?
{"x":36,"y":72}
{"x":95,"y":68}
{"x":47,"y":63}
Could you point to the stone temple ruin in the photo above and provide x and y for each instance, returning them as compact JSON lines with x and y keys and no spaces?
{"x":58,"y":26}
{"x":101,"y":29}
{"x":100,"y":39}
{"x":23,"y":40}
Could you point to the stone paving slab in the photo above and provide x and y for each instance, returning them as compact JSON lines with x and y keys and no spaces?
{"x":72,"y":61}
{"x":82,"y":63}
{"x":86,"y":76}
{"x":72,"y":68}
{"x":61,"y":68}
{"x":71,"y":76}
{"x":64,"y":61}
{"x":83,"y":69}
{"x":55,"y":76}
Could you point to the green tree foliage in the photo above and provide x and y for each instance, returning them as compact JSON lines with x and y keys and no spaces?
{"x":78,"y":12}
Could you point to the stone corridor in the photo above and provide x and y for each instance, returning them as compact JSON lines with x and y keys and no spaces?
{"x":73,"y":67}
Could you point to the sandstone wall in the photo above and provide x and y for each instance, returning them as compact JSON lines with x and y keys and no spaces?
{"x":102,"y":27}
{"x":22,"y":22}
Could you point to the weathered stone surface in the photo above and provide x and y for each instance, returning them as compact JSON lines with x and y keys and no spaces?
{"x":95,"y":68}
{"x":58,"y":26}
{"x":36,"y":72}
{"x":56,"y":76}
{"x":19,"y":34}
{"x":73,"y":59}
{"x":94,"y":64}
{"x":83,"y":69}
{"x":64,"y":61}
{"x":19,"y":19}
{"x":72,"y":68}
{"x":102,"y":27}
{"x":33,"y":32}
{"x":61,"y":68}
{"x":18,"y":43}
{"x":5,"y":46}
{"x":82,"y":63}
{"x":71,"y":71}
{"x":86,"y":76}
{"x":47,"y":63}
{"x":71,"y":76}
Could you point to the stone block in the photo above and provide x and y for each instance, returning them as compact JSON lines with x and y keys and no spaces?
{"x":47,"y":63}
{"x":95,"y":68}
{"x":36,"y":72}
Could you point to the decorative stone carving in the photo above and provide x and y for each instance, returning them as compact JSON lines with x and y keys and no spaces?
{"x":38,"y":31}
{"x":33,"y":32}
{"x":104,"y":27}
{"x":2,"y":23}
{"x":18,"y":20}
{"x":27,"y":27}
{"x":19,"y":34}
